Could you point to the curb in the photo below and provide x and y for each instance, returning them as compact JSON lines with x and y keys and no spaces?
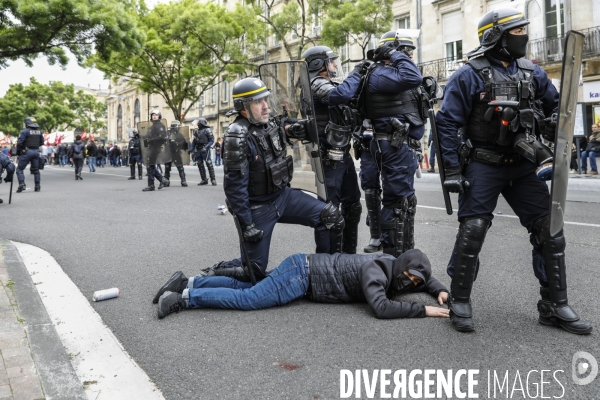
{"x":57,"y":375}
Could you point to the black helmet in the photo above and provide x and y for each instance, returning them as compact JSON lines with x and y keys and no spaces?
{"x":202,"y":122}
{"x":155,"y":111}
{"x":316,"y":57}
{"x":246,"y":91}
{"x":494,"y":25}
{"x":30,"y":122}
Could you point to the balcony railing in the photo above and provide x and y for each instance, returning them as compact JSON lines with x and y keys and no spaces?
{"x":550,"y":49}
{"x":440,"y":69}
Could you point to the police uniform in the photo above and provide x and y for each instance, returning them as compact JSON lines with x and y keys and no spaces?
{"x":257,"y":173}
{"x":203,"y":140}
{"x":28,"y":145}
{"x":494,"y":167}
{"x":135,"y":155}
{"x":392,"y":102}
{"x":6,"y":164}
{"x":177,"y":143}
{"x":335,"y":126}
{"x":157,"y":136}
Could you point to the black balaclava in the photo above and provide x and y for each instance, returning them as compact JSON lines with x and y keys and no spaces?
{"x":413,"y":261}
{"x":510,"y":47}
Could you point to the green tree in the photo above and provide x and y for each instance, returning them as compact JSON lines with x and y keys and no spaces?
{"x":189,"y":47}
{"x":356,"y":22}
{"x":29,"y":28}
{"x":55,"y":106}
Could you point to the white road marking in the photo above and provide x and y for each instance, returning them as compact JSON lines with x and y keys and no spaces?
{"x":95,"y":352}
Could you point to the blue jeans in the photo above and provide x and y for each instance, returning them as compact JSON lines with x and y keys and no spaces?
{"x":92,"y":163}
{"x":592,"y":156}
{"x":284,"y":284}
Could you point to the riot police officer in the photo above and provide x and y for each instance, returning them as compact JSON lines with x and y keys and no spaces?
{"x":28,"y":144}
{"x":391,"y":99}
{"x":497,"y":71}
{"x":335,"y":124}
{"x":257,"y":172}
{"x":177,"y":143}
{"x":6,"y":164}
{"x":135,"y":154}
{"x":203,"y":140}
{"x":157,"y":136}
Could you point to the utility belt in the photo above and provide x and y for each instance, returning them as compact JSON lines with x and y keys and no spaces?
{"x":494,"y":158}
{"x":412,"y":143}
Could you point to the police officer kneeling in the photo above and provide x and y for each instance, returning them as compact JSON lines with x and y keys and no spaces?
{"x":496,"y":68}
{"x":258,"y":171}
{"x":28,"y":145}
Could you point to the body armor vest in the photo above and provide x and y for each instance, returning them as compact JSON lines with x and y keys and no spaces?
{"x":201,"y":137}
{"x":273,"y":169}
{"x":33,"y":140}
{"x":498,"y":86}
{"x":134,"y":146}
{"x":408,"y":103}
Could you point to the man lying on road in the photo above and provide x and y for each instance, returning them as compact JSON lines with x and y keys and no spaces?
{"x":324,"y":278}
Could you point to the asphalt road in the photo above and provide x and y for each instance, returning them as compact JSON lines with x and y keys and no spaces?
{"x":105,"y":232}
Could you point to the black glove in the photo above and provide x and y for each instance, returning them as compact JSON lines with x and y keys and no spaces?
{"x":361,"y":67}
{"x":252,"y":233}
{"x":407,"y":50}
{"x":455,"y":182}
{"x":385,"y":52}
{"x":549,"y":128}
{"x":8,"y":178}
{"x":298,"y":130}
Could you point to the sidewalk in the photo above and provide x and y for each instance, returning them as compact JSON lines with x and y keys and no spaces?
{"x":34,"y":364}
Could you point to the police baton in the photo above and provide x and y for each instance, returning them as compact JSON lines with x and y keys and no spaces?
{"x":10,"y":194}
{"x":438,"y":151}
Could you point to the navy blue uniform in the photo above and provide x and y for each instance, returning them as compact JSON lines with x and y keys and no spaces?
{"x":203,"y":140}
{"x":525,"y":193}
{"x":283,"y":205}
{"x":28,"y":146}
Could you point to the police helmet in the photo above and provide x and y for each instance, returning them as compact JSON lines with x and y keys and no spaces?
{"x":30,"y":122}
{"x":203,"y":122}
{"x":495,"y":24}
{"x":136,"y":133}
{"x":157,"y":112}
{"x":246,"y":91}
{"x":175,"y":123}
{"x":316,"y":57}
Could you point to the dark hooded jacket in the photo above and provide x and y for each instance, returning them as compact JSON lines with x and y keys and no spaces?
{"x":346,"y":278}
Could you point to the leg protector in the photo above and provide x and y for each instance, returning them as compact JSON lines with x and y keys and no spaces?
{"x":182,"y":176}
{"x":150,"y":172}
{"x":352,"y":219}
{"x":373,"y":203}
{"x":168,"y":170}
{"x":469,"y":241}
{"x":140,"y":171}
{"x":202,"y":172}
{"x":132,"y":168}
{"x":333,"y":220}
{"x":554,"y":306}
{"x":409,"y":223}
{"x":395,"y":228}
{"x":211,"y":169}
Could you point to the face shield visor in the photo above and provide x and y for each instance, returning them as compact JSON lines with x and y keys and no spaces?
{"x":333,"y":69}
{"x":257,"y":108}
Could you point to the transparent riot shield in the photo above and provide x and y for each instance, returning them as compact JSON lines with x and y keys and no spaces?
{"x":179,"y":141}
{"x":291,"y":98}
{"x":565,"y":127}
{"x":154,"y":138}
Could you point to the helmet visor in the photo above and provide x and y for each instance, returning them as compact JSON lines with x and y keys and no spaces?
{"x":333,"y":70}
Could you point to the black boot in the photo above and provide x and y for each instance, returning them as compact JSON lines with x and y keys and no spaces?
{"x":170,"y":302}
{"x":38,"y":188}
{"x":469,"y":241}
{"x":176,"y":283}
{"x":431,"y":170}
{"x":148,"y":188}
{"x":80,"y":178}
{"x":213,"y":182}
{"x":373,"y":203}
{"x":132,"y":167}
{"x":182,"y":176}
{"x":560,"y":315}
{"x":204,"y":181}
{"x":21,"y":188}
{"x":163,"y":183}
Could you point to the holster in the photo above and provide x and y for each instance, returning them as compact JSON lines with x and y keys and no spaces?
{"x":399,"y":132}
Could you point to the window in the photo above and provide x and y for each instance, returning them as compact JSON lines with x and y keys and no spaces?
{"x":373,"y":43}
{"x":344,"y":61}
{"x":213,"y":95}
{"x":136,"y":112}
{"x":402,"y":22}
{"x":555,"y":20}
{"x":453,"y":35}
{"x":224,"y":92}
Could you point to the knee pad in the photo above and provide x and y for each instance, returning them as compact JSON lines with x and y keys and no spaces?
{"x":541,"y":234}
{"x":332,"y":218}
{"x":352,"y":213}
{"x":411,"y":208}
{"x":472,"y":234}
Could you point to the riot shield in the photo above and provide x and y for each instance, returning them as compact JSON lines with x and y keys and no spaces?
{"x":179,"y":141}
{"x":291,"y":97}
{"x":154,"y":137}
{"x":565,"y":127}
